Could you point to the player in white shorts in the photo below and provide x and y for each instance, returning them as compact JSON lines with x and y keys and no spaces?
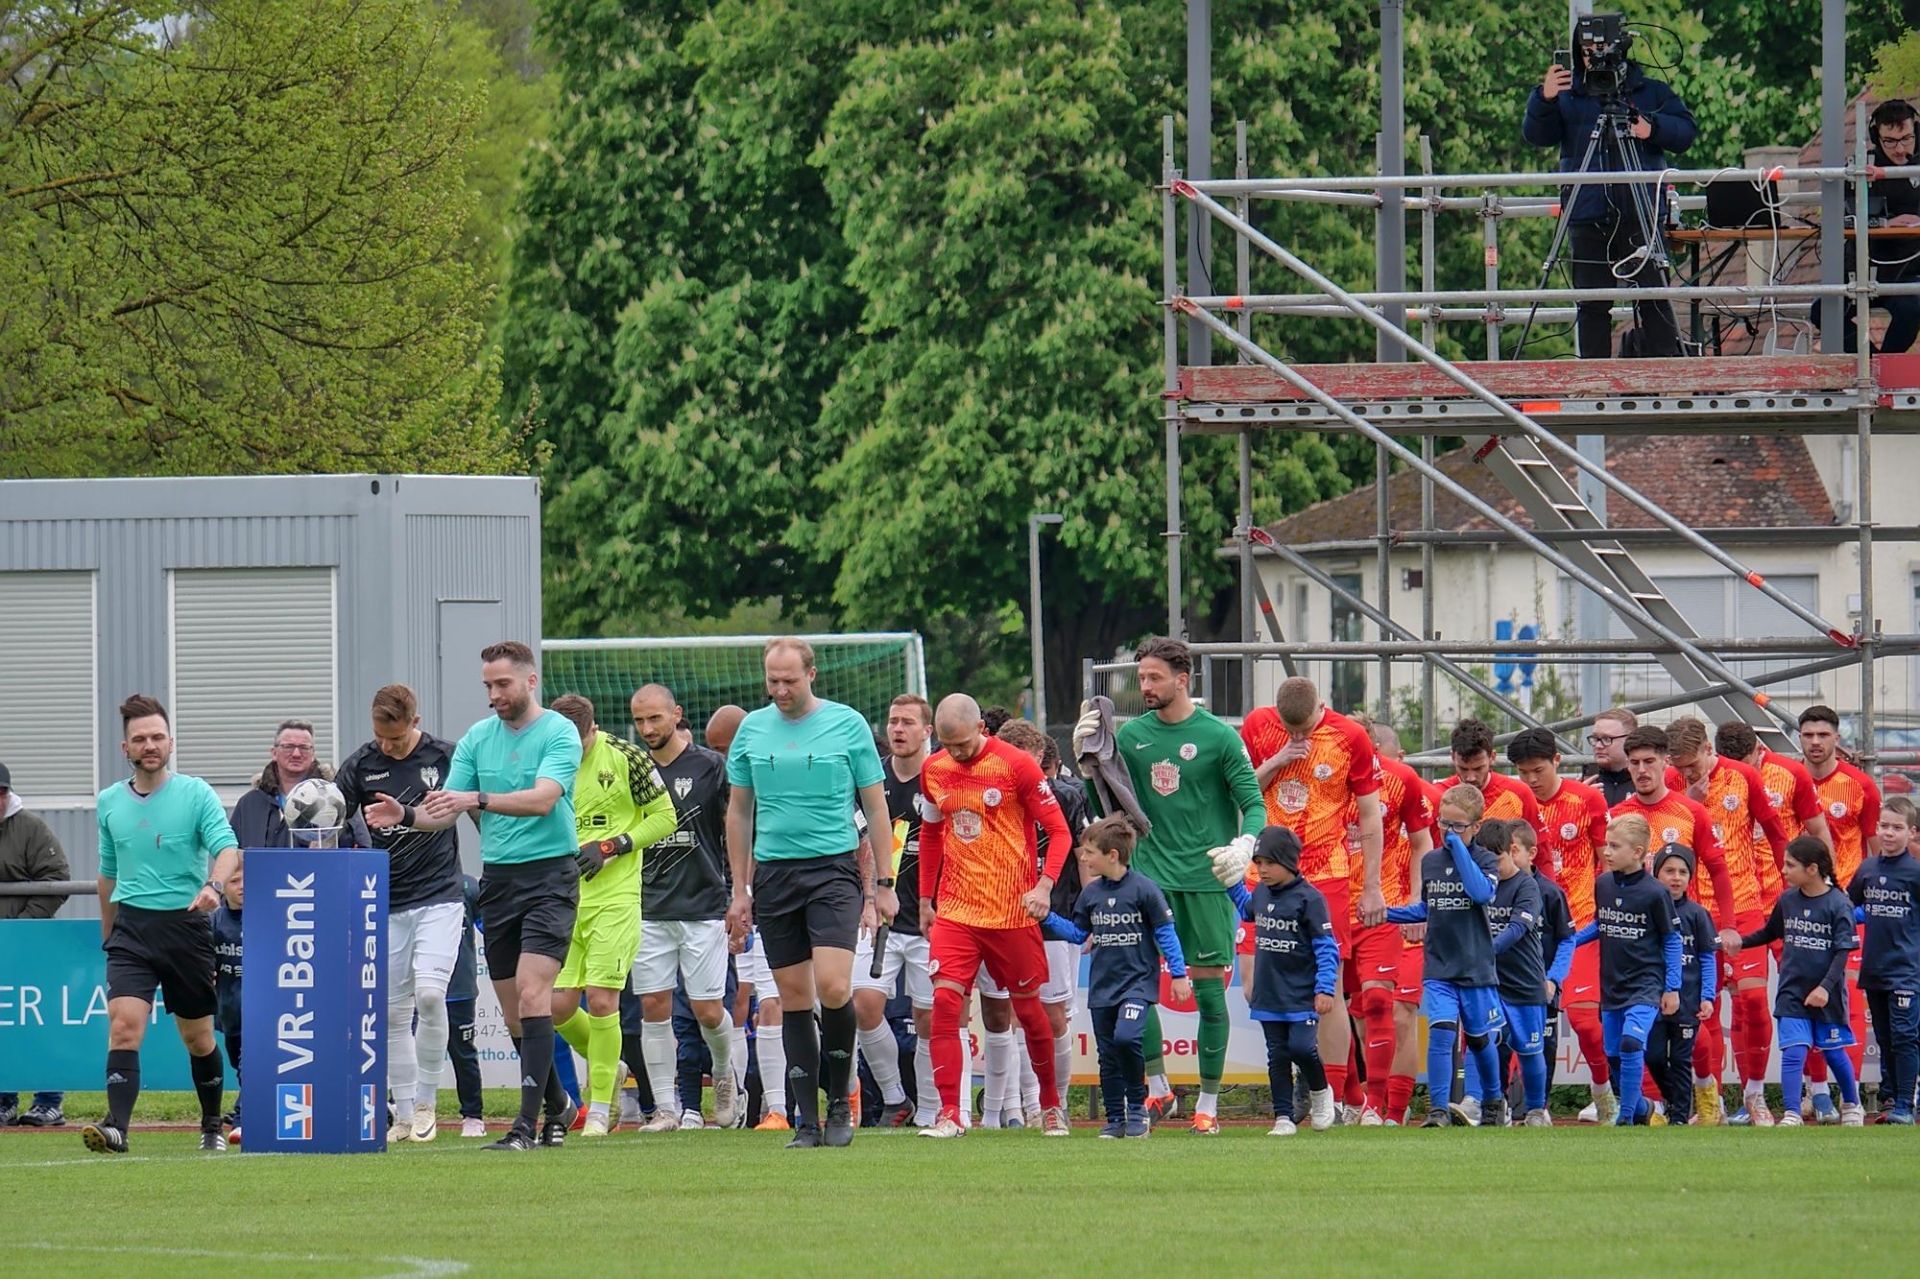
{"x":683,"y":905}
{"x":426,"y":911}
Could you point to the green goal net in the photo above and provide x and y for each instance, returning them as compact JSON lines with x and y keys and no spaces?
{"x":705,"y":672}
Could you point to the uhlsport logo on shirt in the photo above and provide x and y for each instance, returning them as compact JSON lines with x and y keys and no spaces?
{"x":294,"y":1106}
{"x":367,"y":1101}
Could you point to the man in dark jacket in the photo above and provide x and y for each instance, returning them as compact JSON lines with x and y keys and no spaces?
{"x":1606,"y":246}
{"x":28,"y":853}
{"x":1896,"y":201}
{"x":257,"y":818}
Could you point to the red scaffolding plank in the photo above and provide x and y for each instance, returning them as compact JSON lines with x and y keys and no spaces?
{"x":1549,"y":380}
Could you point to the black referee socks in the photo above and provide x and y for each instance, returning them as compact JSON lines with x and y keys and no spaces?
{"x":838,"y":1028}
{"x":209,"y":1080}
{"x":536,"y":1067}
{"x":803,"y":1063}
{"x":123,"y":1085}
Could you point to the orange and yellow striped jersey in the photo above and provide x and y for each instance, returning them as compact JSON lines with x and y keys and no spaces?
{"x":1314,"y":795}
{"x":978,"y":846}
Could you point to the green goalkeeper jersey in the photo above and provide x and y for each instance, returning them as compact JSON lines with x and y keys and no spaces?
{"x":1196,"y":785}
{"x":618,"y":792}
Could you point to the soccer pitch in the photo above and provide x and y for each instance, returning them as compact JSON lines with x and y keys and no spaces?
{"x":1352,"y":1201}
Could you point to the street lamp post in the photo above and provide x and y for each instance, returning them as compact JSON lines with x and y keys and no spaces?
{"x":1033,"y":614}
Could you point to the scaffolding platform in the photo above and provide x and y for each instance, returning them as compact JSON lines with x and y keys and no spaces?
{"x":1804,"y":394}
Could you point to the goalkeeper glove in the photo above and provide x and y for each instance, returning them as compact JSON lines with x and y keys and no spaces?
{"x":596,"y":853}
{"x":1083,"y":730}
{"x":1230,"y":861}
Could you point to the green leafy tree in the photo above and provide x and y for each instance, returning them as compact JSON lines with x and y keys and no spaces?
{"x":228,"y":242}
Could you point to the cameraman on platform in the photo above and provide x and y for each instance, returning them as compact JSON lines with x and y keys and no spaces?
{"x":1606,"y":243}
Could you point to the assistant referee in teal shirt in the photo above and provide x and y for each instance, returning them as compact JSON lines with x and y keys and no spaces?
{"x":158,"y":831}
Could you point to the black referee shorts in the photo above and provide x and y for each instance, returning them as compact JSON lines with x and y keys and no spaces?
{"x":806,"y":902}
{"x":166,"y":950}
{"x":527,"y":908}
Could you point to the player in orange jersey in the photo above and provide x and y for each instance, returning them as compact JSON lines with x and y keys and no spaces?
{"x":1321,"y":780}
{"x":1507,"y":800}
{"x":1851,"y":804}
{"x":980,"y":801}
{"x":1789,"y":789}
{"x":1572,"y":848}
{"x":1389,"y":1019}
{"x":1676,"y":819}
{"x":1736,"y":801}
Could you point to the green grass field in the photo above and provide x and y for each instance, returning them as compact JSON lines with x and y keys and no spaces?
{"x":1353,"y":1201}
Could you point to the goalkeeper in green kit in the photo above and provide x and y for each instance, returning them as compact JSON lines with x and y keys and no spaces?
{"x":620,"y":807}
{"x":1195,"y":785}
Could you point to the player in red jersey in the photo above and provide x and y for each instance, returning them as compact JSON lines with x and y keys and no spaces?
{"x":1387,"y":999}
{"x":1507,"y":800}
{"x":1676,"y":819}
{"x":1321,"y":780}
{"x":980,"y":800}
{"x":1789,"y":789}
{"x":1736,"y":801}
{"x":1851,"y":804}
{"x":1573,"y":841}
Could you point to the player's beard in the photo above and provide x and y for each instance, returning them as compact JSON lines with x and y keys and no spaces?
{"x":517,"y":708}
{"x":1152,"y":701}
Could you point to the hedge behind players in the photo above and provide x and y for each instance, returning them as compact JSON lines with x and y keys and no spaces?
{"x":157,"y":832}
{"x":425,"y":909}
{"x":683,"y":899}
{"x":515,"y":769}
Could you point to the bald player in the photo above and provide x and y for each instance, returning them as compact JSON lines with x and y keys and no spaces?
{"x":721,"y":727}
{"x":980,"y":896}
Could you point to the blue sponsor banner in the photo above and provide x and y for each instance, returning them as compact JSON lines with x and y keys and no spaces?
{"x":53,"y":1013}
{"x":315,"y":1000}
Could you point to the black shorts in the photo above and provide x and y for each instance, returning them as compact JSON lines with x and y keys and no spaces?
{"x":527,"y":908}
{"x":804,"y":903}
{"x":167,"y":950}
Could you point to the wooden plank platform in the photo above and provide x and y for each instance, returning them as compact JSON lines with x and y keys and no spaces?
{"x":1527,"y":380}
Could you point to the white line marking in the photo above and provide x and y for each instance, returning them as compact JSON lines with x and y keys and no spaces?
{"x":413,"y":1267}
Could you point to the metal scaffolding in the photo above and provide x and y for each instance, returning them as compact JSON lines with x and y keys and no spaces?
{"x":1514,"y":415}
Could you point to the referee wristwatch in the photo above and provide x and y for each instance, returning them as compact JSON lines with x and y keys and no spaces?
{"x":481,"y":800}
{"x":884,"y":883}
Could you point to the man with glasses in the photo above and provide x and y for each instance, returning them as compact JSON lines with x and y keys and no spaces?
{"x":1609,"y":741}
{"x":1893,"y":202}
{"x":257,"y":818}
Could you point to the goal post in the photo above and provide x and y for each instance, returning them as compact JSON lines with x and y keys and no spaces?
{"x":866,"y":670}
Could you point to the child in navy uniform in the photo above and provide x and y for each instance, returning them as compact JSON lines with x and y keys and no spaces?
{"x":1556,"y":946}
{"x":1296,"y":969}
{"x":1640,"y":960}
{"x":1670,"y":1049}
{"x":227,"y":947}
{"x":1814,"y":921}
{"x":1461,"y":988}
{"x":1517,"y":916}
{"x":1126,"y":918}
{"x":1886,"y":898}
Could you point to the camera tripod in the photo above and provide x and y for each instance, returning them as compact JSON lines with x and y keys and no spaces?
{"x":1611,"y":128}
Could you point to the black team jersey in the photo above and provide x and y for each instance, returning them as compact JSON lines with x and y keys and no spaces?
{"x":684,"y":876}
{"x":1695,"y":926}
{"x":902,"y":806}
{"x":1079,"y":814}
{"x":1522,"y":966}
{"x":1888,"y":889}
{"x":1633,"y":915}
{"x":1815,"y":935}
{"x":423,"y":866}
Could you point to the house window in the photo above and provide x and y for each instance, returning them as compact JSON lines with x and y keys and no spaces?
{"x":1348,"y":692}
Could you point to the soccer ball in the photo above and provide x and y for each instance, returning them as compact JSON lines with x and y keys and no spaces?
{"x":314,"y":805}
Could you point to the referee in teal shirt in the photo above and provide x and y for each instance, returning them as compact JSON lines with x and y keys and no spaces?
{"x":158,"y":832}
{"x":797,"y":769}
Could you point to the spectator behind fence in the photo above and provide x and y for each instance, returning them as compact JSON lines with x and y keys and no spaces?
{"x":257,"y":818}
{"x":29,"y":853}
{"x":1606,"y":247}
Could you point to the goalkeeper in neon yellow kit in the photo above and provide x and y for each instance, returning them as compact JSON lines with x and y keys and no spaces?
{"x":620,"y":806}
